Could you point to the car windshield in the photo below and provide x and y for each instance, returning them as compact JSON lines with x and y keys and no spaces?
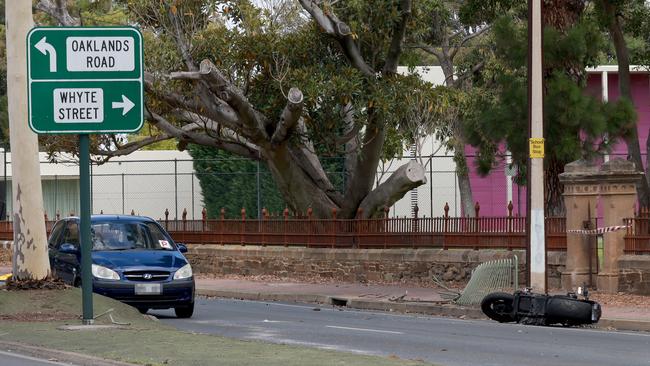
{"x":129,"y":235}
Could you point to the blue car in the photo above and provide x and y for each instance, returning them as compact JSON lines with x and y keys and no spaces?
{"x":134,"y":261}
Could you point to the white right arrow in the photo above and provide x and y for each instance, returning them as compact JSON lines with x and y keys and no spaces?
{"x":46,"y":48}
{"x":126,"y":104}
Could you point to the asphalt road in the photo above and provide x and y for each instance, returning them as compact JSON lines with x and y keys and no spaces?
{"x":443,"y":341}
{"x":13,"y":359}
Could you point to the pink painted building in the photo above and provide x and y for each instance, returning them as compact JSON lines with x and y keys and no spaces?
{"x":494,"y":191}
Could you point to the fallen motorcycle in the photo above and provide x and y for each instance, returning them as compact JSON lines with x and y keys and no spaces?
{"x":526,"y":307}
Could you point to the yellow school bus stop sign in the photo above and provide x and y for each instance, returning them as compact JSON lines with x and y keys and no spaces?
{"x":536,"y":148}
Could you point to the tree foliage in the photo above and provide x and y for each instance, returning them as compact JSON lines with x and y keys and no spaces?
{"x":614,"y":19}
{"x":456,"y":47}
{"x":575,"y":123}
{"x":231,"y":183}
{"x":285,"y":84}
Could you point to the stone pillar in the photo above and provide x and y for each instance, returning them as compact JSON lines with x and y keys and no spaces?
{"x":618,"y":179}
{"x":580,"y":197}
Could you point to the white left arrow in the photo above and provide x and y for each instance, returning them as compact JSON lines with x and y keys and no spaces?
{"x":46,"y":48}
{"x":126,"y":104}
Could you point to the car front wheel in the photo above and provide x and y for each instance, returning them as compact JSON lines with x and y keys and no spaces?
{"x":184,"y":311}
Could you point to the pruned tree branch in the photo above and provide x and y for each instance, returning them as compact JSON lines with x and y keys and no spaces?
{"x":196,"y":122}
{"x":219,"y":86}
{"x":405,"y":178}
{"x":290,"y":116}
{"x":319,"y":16}
{"x":220,"y":112}
{"x":187,"y":75}
{"x":181,"y":41}
{"x":188,"y":136}
{"x":133,"y":146}
{"x":395,"y":50}
{"x":354,"y":55}
{"x":57,"y":9}
{"x":342,"y":32}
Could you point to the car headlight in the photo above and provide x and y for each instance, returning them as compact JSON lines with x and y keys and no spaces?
{"x":184,"y":272}
{"x":104,"y":273}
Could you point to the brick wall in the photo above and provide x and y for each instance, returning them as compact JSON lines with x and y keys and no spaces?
{"x":5,"y":256}
{"x":354,"y":265}
{"x":634,"y":274}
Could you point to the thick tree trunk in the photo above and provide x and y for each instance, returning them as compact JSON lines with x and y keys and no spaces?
{"x":301,"y":192}
{"x":30,"y":258}
{"x":553,"y":188}
{"x":466,"y":196}
{"x":366,"y":168}
{"x":464,"y":184}
{"x":297,"y":189}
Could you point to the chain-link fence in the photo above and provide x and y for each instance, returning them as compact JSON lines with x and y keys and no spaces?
{"x":150,"y":187}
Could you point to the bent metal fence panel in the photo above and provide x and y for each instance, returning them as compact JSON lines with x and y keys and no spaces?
{"x":488,"y":277}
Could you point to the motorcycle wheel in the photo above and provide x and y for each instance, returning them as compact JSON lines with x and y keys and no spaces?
{"x":568,"y":311}
{"x":498,"y":306}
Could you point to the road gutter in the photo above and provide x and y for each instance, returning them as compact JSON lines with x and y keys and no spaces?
{"x":51,"y":355}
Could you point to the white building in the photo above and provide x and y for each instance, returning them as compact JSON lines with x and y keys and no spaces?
{"x":442,"y":184}
{"x":147,"y":182}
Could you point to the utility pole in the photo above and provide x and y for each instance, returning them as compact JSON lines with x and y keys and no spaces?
{"x":537,"y":247}
{"x":30,"y":259}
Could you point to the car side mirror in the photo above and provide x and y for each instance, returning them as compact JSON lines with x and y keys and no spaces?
{"x":181,"y":248}
{"x":68,"y":248}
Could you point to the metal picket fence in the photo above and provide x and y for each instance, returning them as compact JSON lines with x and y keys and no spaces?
{"x":488,"y":277}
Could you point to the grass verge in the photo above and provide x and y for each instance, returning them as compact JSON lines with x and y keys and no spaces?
{"x":32,"y":317}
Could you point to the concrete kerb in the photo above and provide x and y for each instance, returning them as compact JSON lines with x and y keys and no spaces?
{"x":307,"y":298}
{"x":58,"y":356}
{"x":624,"y":324}
{"x":353,"y":303}
{"x":445,"y":310}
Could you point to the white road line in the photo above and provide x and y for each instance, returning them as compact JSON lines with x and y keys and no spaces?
{"x":16,"y":355}
{"x":435,"y":318}
{"x":364,"y":329}
{"x":273,"y":338}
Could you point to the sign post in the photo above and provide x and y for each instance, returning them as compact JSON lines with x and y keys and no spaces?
{"x":85,"y":80}
{"x":537,"y":245}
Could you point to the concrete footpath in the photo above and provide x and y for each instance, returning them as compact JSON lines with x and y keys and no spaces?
{"x":405,"y":299}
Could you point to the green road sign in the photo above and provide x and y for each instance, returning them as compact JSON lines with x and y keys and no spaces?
{"x":85,"y":80}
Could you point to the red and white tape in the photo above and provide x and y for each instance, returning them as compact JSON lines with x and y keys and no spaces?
{"x":600,"y":230}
